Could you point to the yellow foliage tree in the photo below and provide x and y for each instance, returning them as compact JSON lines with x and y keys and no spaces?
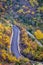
{"x":1,"y":27}
{"x":32,"y":2}
{"x":38,"y":34}
{"x":7,"y":56}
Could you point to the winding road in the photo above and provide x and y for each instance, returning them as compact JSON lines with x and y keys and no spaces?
{"x":15,"y":42}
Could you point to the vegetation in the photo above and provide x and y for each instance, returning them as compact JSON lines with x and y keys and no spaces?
{"x":39,"y":34}
{"x":27,"y":15}
{"x":29,"y":47}
{"x":5,"y":54}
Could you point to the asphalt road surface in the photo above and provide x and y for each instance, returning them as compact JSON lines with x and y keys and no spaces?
{"x":14,"y":43}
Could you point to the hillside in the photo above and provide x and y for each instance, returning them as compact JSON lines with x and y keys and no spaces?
{"x":21,"y":32}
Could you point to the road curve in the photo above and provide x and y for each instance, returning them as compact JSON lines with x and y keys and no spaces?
{"x":14,"y":43}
